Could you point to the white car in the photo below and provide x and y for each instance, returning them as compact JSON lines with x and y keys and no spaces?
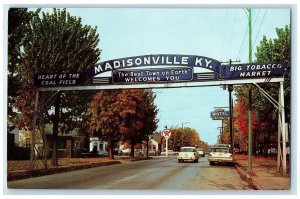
{"x":170,"y":153}
{"x":220,"y":154}
{"x":188,"y":153}
{"x":200,"y":151}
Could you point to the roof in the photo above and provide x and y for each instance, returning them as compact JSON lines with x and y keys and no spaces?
{"x":49,"y":131}
{"x":187,"y":147}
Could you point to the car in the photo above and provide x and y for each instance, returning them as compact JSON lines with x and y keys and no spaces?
{"x":200,"y":151}
{"x":188,"y":153}
{"x":152,"y":152}
{"x":220,"y":154}
{"x":170,"y":152}
{"x":103,"y":153}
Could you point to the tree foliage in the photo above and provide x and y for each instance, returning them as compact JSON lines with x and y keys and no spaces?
{"x":54,"y":42}
{"x":278,"y":50}
{"x":18,"y":28}
{"x":127,"y":115}
{"x":184,"y":137}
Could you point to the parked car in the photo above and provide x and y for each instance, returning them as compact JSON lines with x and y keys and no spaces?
{"x":103,"y":153}
{"x":188,"y":153}
{"x":200,"y":151}
{"x":152,"y":152}
{"x":170,"y":152}
{"x":220,"y":154}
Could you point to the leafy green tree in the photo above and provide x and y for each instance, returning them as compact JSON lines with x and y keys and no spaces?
{"x":18,"y":28}
{"x":56,"y":42}
{"x":279,"y":50}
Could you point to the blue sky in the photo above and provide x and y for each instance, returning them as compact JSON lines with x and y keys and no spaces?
{"x":218,"y":33}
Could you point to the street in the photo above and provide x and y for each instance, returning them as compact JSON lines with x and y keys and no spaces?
{"x":159,"y":173}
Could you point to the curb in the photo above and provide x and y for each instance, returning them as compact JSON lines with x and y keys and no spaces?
{"x":19,"y":175}
{"x":245,"y":176}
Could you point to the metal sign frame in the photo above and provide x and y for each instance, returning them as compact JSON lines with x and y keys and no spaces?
{"x":222,"y":75}
{"x":164,"y":85}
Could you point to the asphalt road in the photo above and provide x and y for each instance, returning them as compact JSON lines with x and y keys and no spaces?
{"x":160,"y":173}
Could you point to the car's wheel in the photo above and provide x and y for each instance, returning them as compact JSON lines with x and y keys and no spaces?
{"x":211,"y":163}
{"x":179,"y":161}
{"x":196,"y":161}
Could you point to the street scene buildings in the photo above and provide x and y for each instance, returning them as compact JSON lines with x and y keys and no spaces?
{"x":145,"y":99}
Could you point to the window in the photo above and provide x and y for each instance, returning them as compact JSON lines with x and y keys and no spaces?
{"x":224,"y":150}
{"x":187,"y":150}
{"x":62,"y":143}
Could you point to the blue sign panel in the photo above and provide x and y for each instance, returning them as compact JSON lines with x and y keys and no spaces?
{"x":153,"y":75}
{"x":154,"y":60}
{"x":254,"y":70}
{"x":219,"y":114}
{"x":60,"y":79}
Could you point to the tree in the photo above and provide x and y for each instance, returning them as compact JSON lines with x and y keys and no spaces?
{"x":127,"y":115}
{"x":56,"y":42}
{"x":18,"y":27}
{"x":150,"y":111}
{"x":279,"y":50}
{"x":183,"y":137}
{"x":104,"y":111}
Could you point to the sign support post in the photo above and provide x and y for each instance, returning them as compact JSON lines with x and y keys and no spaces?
{"x":282,"y":127}
{"x":167,"y":135}
{"x":250,"y":131}
{"x":35,"y":116}
{"x":230,"y":89}
{"x":167,"y":146}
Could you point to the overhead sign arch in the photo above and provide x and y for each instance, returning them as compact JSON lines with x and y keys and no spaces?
{"x":149,"y":70}
{"x":174,"y":71}
{"x":155,"y":60}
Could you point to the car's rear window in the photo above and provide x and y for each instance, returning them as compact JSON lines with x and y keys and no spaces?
{"x":186,"y":150}
{"x":224,"y":150}
{"x":199,"y":149}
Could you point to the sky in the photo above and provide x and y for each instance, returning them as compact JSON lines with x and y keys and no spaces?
{"x":218,"y":33}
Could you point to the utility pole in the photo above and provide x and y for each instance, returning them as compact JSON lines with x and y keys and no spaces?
{"x":250,"y":95}
{"x":230,"y":89}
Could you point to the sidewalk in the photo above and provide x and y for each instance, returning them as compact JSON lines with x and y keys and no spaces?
{"x":265,"y":175}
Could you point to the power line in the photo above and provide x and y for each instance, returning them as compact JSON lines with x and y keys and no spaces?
{"x":224,"y":33}
{"x":242,"y":44}
{"x":257,"y":13}
{"x":260,"y":27}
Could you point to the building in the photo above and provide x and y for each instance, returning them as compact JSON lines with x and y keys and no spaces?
{"x":97,"y":145}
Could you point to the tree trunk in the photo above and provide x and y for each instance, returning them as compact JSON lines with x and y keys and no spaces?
{"x":55,"y":131}
{"x":147,"y":147}
{"x":111,"y":149}
{"x":132,"y":148}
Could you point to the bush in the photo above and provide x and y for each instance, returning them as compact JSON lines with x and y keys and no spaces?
{"x":18,"y":153}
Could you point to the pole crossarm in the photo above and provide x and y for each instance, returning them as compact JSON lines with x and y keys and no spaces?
{"x":269,"y":97}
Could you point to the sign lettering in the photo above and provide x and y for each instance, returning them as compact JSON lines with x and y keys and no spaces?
{"x":254,"y":70}
{"x":153,"y":75}
{"x":219,"y":114}
{"x":59,"y":79}
{"x":155,"y":60}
